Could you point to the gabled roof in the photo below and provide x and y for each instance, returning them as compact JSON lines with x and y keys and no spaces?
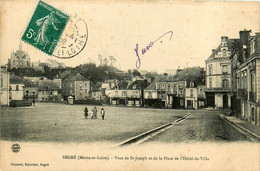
{"x":152,"y":86}
{"x":121,"y":86}
{"x":138,"y":84}
{"x":30,"y":83}
{"x":16,"y":80}
{"x":75,"y":77}
{"x":229,"y":42}
{"x":44,"y":84}
{"x":192,"y":74}
{"x":65,"y":74}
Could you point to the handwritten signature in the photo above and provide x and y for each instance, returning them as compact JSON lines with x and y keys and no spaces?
{"x":138,"y":61}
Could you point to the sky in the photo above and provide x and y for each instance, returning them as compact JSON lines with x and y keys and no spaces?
{"x":115,"y":28}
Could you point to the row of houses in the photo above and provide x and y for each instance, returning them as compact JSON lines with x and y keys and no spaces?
{"x":183,"y":90}
{"x":233,"y":76}
{"x":43,"y":89}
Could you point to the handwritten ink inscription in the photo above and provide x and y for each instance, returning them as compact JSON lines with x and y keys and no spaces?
{"x":146,"y":49}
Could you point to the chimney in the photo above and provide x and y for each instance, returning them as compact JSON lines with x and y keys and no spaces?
{"x":224,"y":39}
{"x":244,"y":36}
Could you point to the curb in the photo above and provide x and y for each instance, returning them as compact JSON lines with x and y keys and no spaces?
{"x":244,"y":129}
{"x":140,"y":136}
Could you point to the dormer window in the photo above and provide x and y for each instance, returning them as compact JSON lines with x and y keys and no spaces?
{"x":191,"y":84}
{"x":134,"y":86}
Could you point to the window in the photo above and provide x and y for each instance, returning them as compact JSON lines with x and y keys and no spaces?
{"x":191,"y":93}
{"x":191,"y":84}
{"x":17,"y":87}
{"x":252,"y":75}
{"x":116,"y":93}
{"x":159,"y":86}
{"x":150,"y":94}
{"x":86,"y":84}
{"x":252,"y":47}
{"x":224,"y":53}
{"x":86,"y":91}
{"x":123,"y":93}
{"x":210,"y":70}
{"x":224,"y":69}
{"x":210,"y":83}
{"x":224,"y":83}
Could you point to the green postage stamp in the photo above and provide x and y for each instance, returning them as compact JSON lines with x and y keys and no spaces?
{"x":45,"y":28}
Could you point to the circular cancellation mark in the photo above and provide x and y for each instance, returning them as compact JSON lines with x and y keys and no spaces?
{"x":73,"y":39}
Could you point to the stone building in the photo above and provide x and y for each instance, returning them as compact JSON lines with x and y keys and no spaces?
{"x":19,"y":59}
{"x":248,"y":77}
{"x":218,"y":76}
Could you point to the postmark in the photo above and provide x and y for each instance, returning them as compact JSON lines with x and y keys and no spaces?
{"x":73,"y":39}
{"x":45,"y":28}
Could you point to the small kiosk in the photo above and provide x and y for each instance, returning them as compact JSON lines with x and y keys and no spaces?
{"x":70,"y":100}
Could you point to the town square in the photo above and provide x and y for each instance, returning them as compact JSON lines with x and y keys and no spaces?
{"x":94,"y":82}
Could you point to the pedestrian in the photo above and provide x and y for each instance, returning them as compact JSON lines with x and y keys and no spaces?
{"x":33,"y":101}
{"x":94,"y":112}
{"x":86,"y":113}
{"x":103,"y":113}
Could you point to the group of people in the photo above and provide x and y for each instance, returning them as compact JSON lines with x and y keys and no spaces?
{"x":93,"y":115}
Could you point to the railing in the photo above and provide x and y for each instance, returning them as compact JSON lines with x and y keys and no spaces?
{"x":252,"y":96}
{"x":218,"y":89}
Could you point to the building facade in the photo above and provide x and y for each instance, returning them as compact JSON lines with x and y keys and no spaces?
{"x":16,"y":88}
{"x":5,"y":81}
{"x":48,"y":91}
{"x":77,"y":86}
{"x":248,"y":78}
{"x":118,"y":94}
{"x":218,"y":76}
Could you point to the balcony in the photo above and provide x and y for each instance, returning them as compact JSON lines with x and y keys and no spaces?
{"x":218,"y":89}
{"x":252,"y":96}
{"x":242,"y":93}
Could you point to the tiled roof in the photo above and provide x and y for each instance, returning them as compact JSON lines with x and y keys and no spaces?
{"x":152,"y":86}
{"x":30,"y":83}
{"x":44,"y":84}
{"x":138,"y":84}
{"x":16,"y":80}
{"x":121,"y":86}
{"x":192,"y":74}
{"x":230,"y":42}
{"x":75,"y":77}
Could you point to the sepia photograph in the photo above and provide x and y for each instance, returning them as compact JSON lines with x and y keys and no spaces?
{"x":130,"y":85}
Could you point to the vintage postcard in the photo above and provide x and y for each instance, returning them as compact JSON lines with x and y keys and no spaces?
{"x":129,"y":85}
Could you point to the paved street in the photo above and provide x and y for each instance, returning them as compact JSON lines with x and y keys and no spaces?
{"x":66,"y":123}
{"x":201,"y":126}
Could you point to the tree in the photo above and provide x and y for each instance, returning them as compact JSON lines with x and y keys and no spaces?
{"x":136,"y":73}
{"x":105,"y":61}
{"x":100,"y":59}
{"x":112,"y":60}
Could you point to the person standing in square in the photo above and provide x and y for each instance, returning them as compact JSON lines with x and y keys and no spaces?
{"x":102,"y":113}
